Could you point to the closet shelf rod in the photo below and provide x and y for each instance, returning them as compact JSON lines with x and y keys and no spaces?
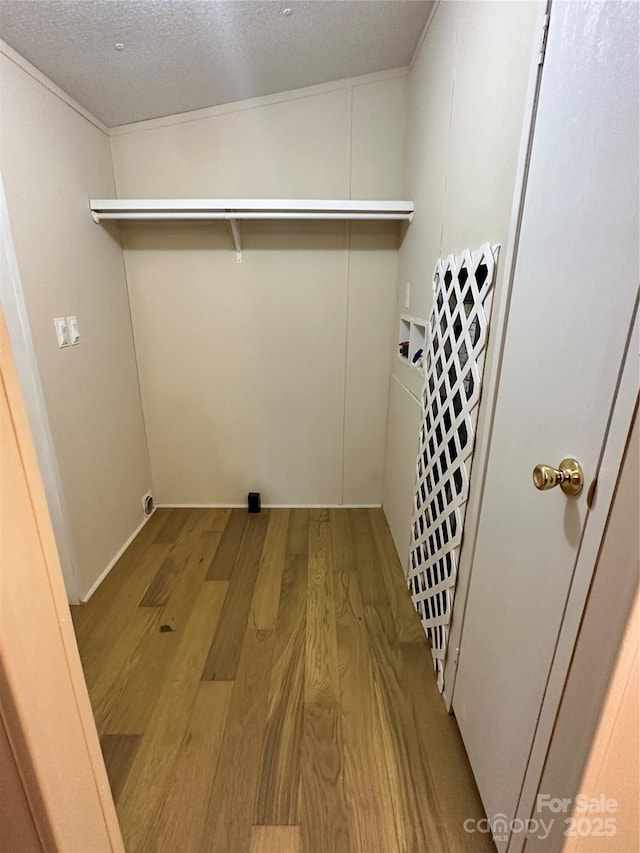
{"x":235,"y":210}
{"x":206,"y":215}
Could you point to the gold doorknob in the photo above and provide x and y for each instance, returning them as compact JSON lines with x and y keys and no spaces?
{"x":568,"y":476}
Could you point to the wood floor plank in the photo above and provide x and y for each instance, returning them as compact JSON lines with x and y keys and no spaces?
{"x":319,"y":514}
{"x":277,"y":800}
{"x":321,"y":649}
{"x":125,"y":571}
{"x":158,"y":591}
{"x":275,"y":839}
{"x":224,"y":654}
{"x":406,"y":619}
{"x":324,"y":822}
{"x":118,"y":752}
{"x":221,"y":519}
{"x":137,"y":688}
{"x":390,"y":760}
{"x":172,"y":526}
{"x":419,"y":810}
{"x":324,"y":818}
{"x":366,"y":770}
{"x":229,"y":815}
{"x":109,"y":682}
{"x":150,"y":530}
{"x":152,"y":769}
{"x":214,"y":518}
{"x":298,"y":534}
{"x":222,"y":563}
{"x":343,"y":557}
{"x":266,"y":598}
{"x":370,"y":571}
{"x":182,"y":814}
{"x":448,"y":762}
{"x":203,"y":545}
{"x":110,"y":616}
{"x":193,"y":523}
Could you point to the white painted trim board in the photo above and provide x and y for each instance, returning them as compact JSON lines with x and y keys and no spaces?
{"x":269,"y":506}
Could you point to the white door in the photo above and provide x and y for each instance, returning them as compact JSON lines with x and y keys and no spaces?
{"x":573,"y":298}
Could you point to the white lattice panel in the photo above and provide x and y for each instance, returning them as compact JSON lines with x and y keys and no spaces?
{"x":457,"y":338}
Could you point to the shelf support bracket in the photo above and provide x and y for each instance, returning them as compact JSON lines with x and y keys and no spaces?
{"x":235,"y":230}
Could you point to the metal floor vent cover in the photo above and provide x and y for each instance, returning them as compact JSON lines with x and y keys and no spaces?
{"x":454,"y":363}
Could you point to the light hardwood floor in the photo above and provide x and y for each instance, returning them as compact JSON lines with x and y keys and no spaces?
{"x":261,"y":684}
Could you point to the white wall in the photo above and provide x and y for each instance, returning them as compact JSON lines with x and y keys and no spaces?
{"x":614,"y":764}
{"x":52,"y":160}
{"x":272,"y":374}
{"x":465,"y":105}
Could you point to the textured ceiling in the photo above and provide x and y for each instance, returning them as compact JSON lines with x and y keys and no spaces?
{"x":182,"y":55}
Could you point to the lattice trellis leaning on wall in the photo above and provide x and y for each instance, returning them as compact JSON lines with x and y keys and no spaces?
{"x":454,"y":364}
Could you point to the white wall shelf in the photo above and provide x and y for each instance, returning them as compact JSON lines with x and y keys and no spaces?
{"x":234,"y":210}
{"x":404,"y":337}
{"x":412,"y":333}
{"x":417,"y":344}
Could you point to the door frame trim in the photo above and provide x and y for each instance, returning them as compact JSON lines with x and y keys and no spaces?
{"x":64,"y":776}
{"x":24,"y":353}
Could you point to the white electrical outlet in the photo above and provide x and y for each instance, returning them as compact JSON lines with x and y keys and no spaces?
{"x":62,"y":331}
{"x":407,"y":294}
{"x":74,"y":331}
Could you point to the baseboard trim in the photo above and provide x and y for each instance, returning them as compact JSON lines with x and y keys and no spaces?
{"x":270,"y":506}
{"x":84,"y":598}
